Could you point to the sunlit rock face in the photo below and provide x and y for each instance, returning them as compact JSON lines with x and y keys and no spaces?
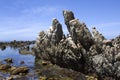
{"x":80,"y":33}
{"x":80,"y":50}
{"x":68,"y":16}
{"x":97,"y":36}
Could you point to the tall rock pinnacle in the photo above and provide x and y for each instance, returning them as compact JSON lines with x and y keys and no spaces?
{"x":68,"y":15}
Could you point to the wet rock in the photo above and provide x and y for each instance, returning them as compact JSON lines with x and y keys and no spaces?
{"x":22,"y":62}
{"x":10,"y":78}
{"x":24,"y":52}
{"x":44,"y":63}
{"x":4,"y":67}
{"x":8,"y":60}
{"x":20,"y":70}
{"x":3,"y":47}
{"x":56,"y":73}
{"x":12,"y":68}
{"x":42,"y":78}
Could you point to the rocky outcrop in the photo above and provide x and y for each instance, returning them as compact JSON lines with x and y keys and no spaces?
{"x":68,"y":16}
{"x":97,"y":36}
{"x":80,"y":33}
{"x":53,"y":35}
{"x":80,"y":50}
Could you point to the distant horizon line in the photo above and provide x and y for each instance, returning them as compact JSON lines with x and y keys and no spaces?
{"x":112,"y":37}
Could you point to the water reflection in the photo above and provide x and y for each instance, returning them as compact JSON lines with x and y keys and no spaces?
{"x":13,"y":52}
{"x":2,"y":48}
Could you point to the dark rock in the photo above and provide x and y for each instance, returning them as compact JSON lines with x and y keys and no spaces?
{"x":9,"y":60}
{"x":57,"y":31}
{"x":3,"y":47}
{"x":68,"y":16}
{"x":4,"y":67}
{"x":20,"y":70}
{"x":22,"y":62}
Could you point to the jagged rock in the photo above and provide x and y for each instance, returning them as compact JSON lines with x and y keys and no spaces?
{"x":57,"y":31}
{"x":116,"y":40}
{"x":53,"y":35}
{"x":79,"y":32}
{"x":68,"y":16}
{"x":97,"y":36}
{"x":107,"y":42}
{"x":80,"y":50}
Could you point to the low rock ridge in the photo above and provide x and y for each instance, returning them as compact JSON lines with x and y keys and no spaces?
{"x":80,"y":50}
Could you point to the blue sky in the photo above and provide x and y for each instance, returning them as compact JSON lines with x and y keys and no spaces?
{"x":24,"y":19}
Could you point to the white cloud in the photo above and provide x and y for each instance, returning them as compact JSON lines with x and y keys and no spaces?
{"x":44,"y":10}
{"x":28,"y":24}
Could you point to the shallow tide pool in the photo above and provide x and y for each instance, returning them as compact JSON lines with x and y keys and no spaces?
{"x":29,"y":61}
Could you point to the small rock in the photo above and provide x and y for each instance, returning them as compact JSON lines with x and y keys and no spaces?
{"x":12,"y":68}
{"x":42,"y":78}
{"x":4,"y":67}
{"x":91,"y":78}
{"x":20,"y":70}
{"x":44,"y":63}
{"x":9,"y":60}
{"x":22,"y":62}
{"x":10,"y":78}
{"x":51,"y":79}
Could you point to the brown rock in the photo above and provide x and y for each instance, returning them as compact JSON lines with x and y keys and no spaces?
{"x":9,"y":60}
{"x":44,"y":63}
{"x":20,"y":70}
{"x":10,"y":78}
{"x":4,"y":67}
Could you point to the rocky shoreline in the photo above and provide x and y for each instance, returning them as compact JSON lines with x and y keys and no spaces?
{"x":80,"y":50}
{"x":15,"y":44}
{"x":8,"y":65}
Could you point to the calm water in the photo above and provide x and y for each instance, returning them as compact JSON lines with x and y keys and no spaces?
{"x":17,"y":58}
